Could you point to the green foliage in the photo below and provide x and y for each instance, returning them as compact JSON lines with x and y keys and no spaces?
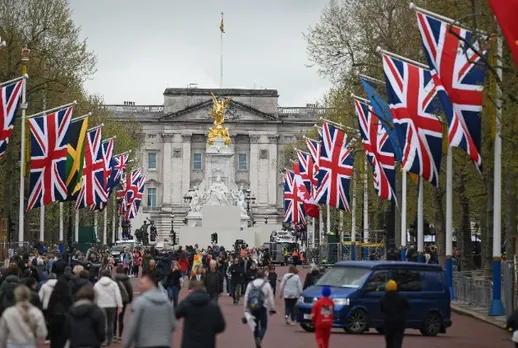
{"x":343,"y":43}
{"x":59,"y":64}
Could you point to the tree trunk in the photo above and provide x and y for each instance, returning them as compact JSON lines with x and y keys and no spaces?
{"x":439,"y":225}
{"x":465,"y":228}
{"x":510,"y":212}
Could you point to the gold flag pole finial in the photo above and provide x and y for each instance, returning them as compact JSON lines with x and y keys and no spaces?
{"x":218,"y":115}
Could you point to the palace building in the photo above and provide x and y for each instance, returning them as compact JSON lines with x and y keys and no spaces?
{"x":175,"y":141}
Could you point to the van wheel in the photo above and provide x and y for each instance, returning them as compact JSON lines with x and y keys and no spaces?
{"x":357,"y":322}
{"x":307,"y":327}
{"x":379,"y":330}
{"x":432,"y":324}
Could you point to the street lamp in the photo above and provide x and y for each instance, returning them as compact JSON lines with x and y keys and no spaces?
{"x":266,"y":220}
{"x":173,"y":233}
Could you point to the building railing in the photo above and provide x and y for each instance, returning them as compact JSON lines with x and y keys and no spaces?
{"x":134,"y":108}
{"x":302,"y":111}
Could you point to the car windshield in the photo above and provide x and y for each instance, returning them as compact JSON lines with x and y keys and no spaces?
{"x":344,"y":277}
{"x":116,"y":248}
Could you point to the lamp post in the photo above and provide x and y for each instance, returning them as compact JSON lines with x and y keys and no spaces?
{"x":173,"y":233}
{"x":266,"y":220}
{"x":250,"y":199}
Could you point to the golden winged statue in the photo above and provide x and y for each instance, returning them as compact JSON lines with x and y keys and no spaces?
{"x":218,"y":115}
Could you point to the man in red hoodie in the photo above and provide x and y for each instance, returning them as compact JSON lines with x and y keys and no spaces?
{"x":322,"y":318}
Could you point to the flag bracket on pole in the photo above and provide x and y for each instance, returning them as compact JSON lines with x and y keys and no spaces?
{"x":371,"y":79}
{"x":43,"y":113}
{"x":405,"y":59}
{"x":79,"y":118}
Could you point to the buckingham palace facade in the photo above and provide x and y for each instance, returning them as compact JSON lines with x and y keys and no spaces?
{"x":175,"y":137}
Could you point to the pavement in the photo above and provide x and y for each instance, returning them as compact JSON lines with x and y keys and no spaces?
{"x":479,"y":314}
{"x":468,"y":331}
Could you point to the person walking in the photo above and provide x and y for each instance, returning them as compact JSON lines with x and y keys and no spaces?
{"x":173,"y":283}
{"x":22,"y":324}
{"x":394,"y":307}
{"x":213,"y":281}
{"x":322,"y":314}
{"x":126,"y":290}
{"x":237,"y":276}
{"x":290,"y":290}
{"x":153,"y":317}
{"x":258,"y":299}
{"x":85,"y":322}
{"x":59,"y":303}
{"x":108,"y":297}
{"x":203,"y":319}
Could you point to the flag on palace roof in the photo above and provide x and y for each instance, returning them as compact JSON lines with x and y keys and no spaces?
{"x":48,"y":134}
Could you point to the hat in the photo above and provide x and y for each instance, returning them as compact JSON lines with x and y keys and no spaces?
{"x":326,"y":291}
{"x":391,"y":285}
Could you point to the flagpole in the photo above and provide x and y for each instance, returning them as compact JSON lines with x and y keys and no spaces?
{"x":105,"y":226}
{"x":313,"y":234}
{"x":497,"y":307}
{"x":42,"y":207}
{"x":320,"y":226}
{"x":353,"y":222}
{"x":114,"y":221}
{"x":404,"y":59}
{"x":61,"y":227}
{"x":221,"y":51}
{"x":403,"y":216}
{"x":420,"y":223}
{"x":95,"y":224}
{"x":44,"y":112}
{"x":23,"y":107}
{"x":365,"y":210}
{"x":76,"y":227}
{"x":449,"y":220}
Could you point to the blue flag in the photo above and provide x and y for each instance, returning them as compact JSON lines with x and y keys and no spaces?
{"x":382,"y":111}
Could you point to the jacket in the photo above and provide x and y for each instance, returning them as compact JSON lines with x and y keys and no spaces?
{"x":213,"y":282}
{"x":14,"y":330}
{"x":107,"y":293}
{"x":46,"y":291}
{"x":291,"y":286}
{"x":152,"y":321}
{"x":237,"y":273}
{"x":322,"y":313}
{"x":124,"y":280}
{"x":85,"y":325}
{"x":203,"y":320}
{"x":77,"y":283}
{"x":394,"y":308}
{"x":269,"y":301}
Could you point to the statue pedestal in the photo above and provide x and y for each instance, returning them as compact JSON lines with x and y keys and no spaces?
{"x":219,"y":162}
{"x":194,"y":219}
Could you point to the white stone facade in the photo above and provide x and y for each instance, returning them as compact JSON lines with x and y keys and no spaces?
{"x":175,"y":144}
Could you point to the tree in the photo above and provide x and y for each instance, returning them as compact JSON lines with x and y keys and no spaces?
{"x":59,"y":64}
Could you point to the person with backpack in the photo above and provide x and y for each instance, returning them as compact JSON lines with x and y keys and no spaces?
{"x":123,"y":281}
{"x":10,"y":282}
{"x":258,"y":300}
{"x":290,"y":290}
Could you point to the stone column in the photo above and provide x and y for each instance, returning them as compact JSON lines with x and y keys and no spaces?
{"x":167,"y":169}
{"x":263,"y":172}
{"x":186,"y":163}
{"x":254,"y":163}
{"x":175,"y":172}
{"x":273,"y":171}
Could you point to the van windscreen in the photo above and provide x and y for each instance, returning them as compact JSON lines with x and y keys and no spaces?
{"x":344,"y":277}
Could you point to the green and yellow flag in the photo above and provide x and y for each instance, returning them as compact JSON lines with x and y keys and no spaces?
{"x":222,"y":24}
{"x":75,"y":156}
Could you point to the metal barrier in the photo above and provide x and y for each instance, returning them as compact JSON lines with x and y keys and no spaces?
{"x":331,"y":253}
{"x":475,"y":288}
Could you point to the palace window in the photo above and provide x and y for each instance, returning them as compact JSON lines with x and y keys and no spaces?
{"x":151,"y":160}
{"x":196,"y":161}
{"x":151,"y":197}
{"x":242,"y":162}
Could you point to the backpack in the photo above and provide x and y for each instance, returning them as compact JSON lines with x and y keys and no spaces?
{"x":124,"y":292}
{"x":7,"y":299}
{"x":256,"y":297}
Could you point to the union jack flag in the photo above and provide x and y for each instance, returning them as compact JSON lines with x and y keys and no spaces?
{"x":459,"y":70}
{"x":92,"y":188}
{"x":293,"y":205}
{"x":9,"y":100}
{"x":411,"y":95}
{"x":121,"y":197}
{"x":307,"y":171}
{"x":137,"y":190}
{"x":314,"y":150}
{"x":48,"y":163}
{"x":129,"y":189}
{"x":335,"y":168}
{"x":377,"y":146}
{"x":107,"y":152}
{"x":119,"y":164}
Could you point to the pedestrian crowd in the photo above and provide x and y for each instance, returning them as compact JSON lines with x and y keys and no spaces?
{"x":71,"y":302}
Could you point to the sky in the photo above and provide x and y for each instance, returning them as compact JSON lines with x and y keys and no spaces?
{"x":143,"y":47}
